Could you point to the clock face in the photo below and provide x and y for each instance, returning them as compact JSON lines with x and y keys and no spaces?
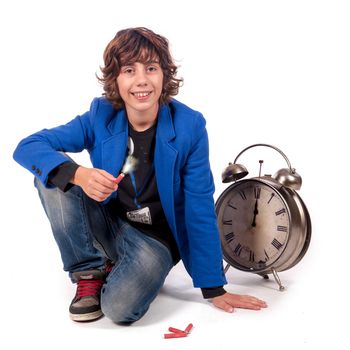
{"x":254,"y":224}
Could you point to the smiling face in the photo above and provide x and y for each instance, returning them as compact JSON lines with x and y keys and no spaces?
{"x":140,"y":86}
{"x":131,"y":46}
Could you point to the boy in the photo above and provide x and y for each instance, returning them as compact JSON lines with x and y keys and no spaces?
{"x":119,"y":241}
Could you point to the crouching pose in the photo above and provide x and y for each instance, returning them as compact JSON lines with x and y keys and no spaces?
{"x":119,"y":239}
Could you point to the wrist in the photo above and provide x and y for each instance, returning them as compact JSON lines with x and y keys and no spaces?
{"x":75,"y":179}
{"x":212,"y":292}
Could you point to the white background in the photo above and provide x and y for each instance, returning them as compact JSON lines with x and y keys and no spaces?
{"x":276,"y":72}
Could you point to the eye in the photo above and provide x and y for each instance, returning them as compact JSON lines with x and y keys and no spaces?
{"x":152,"y":68}
{"x":127,"y":70}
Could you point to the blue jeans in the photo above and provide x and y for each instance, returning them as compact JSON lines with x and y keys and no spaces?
{"x":86,"y":234}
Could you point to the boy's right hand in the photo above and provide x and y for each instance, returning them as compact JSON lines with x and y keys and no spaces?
{"x":98,"y":184}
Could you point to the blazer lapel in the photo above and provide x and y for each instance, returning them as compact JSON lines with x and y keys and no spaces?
{"x":114,"y":148}
{"x":164,"y":158}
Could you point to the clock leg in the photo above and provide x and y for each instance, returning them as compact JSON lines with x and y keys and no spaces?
{"x":226,"y":268}
{"x":277,"y":279}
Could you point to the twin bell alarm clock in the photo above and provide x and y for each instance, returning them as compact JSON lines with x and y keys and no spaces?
{"x":264,"y":225}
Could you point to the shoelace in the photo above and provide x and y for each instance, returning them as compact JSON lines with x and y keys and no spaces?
{"x":89,"y":288}
{"x":109,"y":266}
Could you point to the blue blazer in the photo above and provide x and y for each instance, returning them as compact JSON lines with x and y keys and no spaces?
{"x":182,"y":169}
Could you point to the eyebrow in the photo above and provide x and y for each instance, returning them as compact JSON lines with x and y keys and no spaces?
{"x":145,"y":62}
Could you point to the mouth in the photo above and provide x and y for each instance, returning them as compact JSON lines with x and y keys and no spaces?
{"x":141,"y":95}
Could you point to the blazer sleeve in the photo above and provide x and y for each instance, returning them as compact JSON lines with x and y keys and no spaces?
{"x":201,"y":223}
{"x":43,"y":151}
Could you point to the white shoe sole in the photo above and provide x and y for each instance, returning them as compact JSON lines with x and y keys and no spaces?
{"x":86,"y":317}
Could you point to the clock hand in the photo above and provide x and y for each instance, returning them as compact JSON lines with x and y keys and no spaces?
{"x":256,"y":212}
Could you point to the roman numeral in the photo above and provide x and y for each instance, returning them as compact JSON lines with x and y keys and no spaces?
{"x":272,"y":195}
{"x":279,"y":212}
{"x":231,"y":206}
{"x":227,"y":222}
{"x":242,"y":194}
{"x":238,"y":249}
{"x":267,"y":255}
{"x":257,"y":191}
{"x":229,"y":237}
{"x":282,"y":228}
{"x":278,"y":245}
{"x":251,"y":256}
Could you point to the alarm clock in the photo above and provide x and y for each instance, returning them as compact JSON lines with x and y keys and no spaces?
{"x":264,"y":225}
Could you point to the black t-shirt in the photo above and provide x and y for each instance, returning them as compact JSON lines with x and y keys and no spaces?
{"x":138,"y":199}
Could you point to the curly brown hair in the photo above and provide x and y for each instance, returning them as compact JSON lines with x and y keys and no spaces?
{"x":137,"y":45}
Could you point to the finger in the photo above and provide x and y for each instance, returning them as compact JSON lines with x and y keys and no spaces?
{"x":108,"y":186}
{"x":102,"y":182}
{"x":256,"y":301}
{"x":97,"y":193}
{"x":100,"y":189}
{"x":106,"y":174}
{"x":104,"y":185}
{"x":249,"y":305}
{"x":222,"y":304}
{"x":107,"y":178}
{"x":252,"y":304}
{"x":243,"y":301}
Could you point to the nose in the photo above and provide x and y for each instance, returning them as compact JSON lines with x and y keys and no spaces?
{"x":141,"y":78}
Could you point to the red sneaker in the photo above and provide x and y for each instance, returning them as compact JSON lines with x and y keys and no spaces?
{"x":85,"y":305}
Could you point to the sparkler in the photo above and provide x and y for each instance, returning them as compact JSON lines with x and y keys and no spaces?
{"x":129,"y":165}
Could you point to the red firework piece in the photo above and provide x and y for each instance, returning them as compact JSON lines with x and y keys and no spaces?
{"x":175,"y":335}
{"x":178,"y":333}
{"x":189,"y":328}
{"x":119,"y":178}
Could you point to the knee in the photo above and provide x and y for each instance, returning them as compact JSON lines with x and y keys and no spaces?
{"x":41,"y":187}
{"x":122,"y":306}
{"x":51,"y":196}
{"x":48,"y":196}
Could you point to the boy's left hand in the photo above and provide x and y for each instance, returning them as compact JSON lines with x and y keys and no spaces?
{"x":229,"y":301}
